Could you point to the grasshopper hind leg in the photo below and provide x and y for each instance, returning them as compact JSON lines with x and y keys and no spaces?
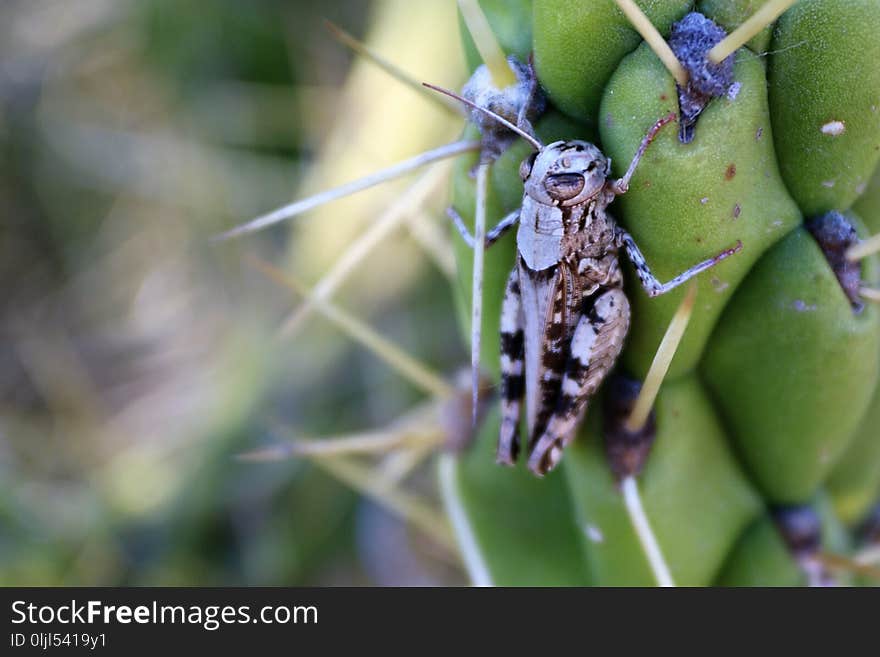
{"x":595,"y":345}
{"x":512,"y":371}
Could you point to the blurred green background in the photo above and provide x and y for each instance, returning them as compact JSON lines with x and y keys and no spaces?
{"x":137,"y":357}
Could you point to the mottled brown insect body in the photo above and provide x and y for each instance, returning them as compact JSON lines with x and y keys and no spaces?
{"x":573,"y":314}
{"x":565,"y":314}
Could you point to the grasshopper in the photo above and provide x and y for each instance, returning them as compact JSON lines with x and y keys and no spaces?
{"x":565,"y":314}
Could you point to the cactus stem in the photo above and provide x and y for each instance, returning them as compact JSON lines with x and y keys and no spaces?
{"x":660,"y":365}
{"x":863,"y":249}
{"x":768,"y":13}
{"x":487,"y":44}
{"x":654,"y":39}
{"x":384,"y":175}
{"x":471,"y":552}
{"x":477,"y":282}
{"x":410,"y":368}
{"x":391,"y":69}
{"x":358,"y":250}
{"x":870,"y":294}
{"x":633,"y":501}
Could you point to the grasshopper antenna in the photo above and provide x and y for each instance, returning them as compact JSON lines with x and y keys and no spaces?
{"x":537,"y":145}
{"x":390,"y":68}
{"x":621,"y":185}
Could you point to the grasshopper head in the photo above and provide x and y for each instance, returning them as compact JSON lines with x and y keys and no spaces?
{"x":565,"y":173}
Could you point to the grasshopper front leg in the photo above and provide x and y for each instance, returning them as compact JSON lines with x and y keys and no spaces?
{"x":649,"y":282}
{"x":621,"y":185}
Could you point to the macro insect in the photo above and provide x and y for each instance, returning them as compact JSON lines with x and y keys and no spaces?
{"x":565,"y":314}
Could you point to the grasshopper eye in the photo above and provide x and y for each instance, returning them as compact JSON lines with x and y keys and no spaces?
{"x":564,"y":186}
{"x":525,"y":169}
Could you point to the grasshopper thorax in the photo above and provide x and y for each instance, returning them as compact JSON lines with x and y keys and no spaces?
{"x":565,"y":173}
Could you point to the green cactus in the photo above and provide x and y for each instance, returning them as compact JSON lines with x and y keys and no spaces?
{"x":578,"y":46}
{"x":827,"y":142}
{"x":772,"y":401}
{"x":695,"y":495}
